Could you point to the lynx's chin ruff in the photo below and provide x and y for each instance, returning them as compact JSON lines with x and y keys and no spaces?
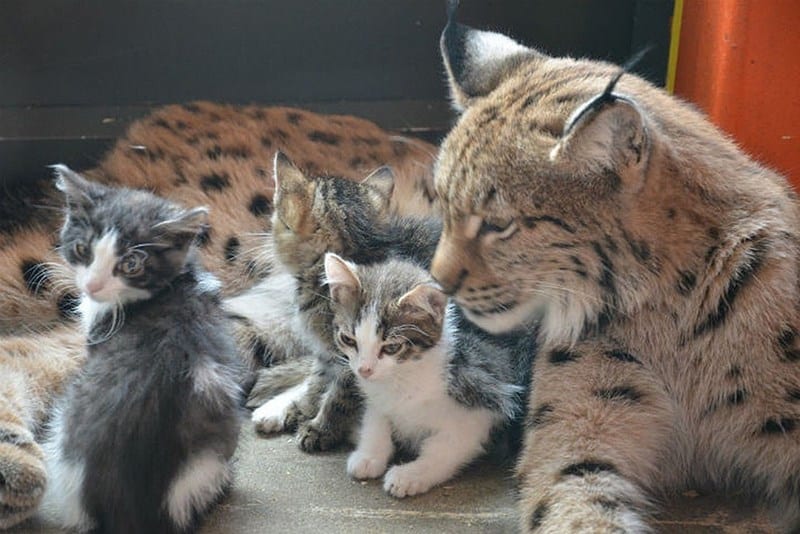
{"x":661,"y":265}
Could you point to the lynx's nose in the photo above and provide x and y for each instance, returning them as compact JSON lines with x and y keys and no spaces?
{"x":450,"y":266}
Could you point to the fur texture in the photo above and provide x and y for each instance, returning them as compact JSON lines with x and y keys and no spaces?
{"x":661,"y":265}
{"x":143,"y":438}
{"x":395,"y":330}
{"x":196,"y":154}
{"x":314,"y":215}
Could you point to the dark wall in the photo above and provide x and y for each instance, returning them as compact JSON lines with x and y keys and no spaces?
{"x":73,"y":73}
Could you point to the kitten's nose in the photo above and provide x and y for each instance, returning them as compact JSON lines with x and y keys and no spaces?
{"x":365,"y":371}
{"x":93,"y":286}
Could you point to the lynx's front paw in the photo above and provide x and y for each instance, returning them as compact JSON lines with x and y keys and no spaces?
{"x":404,"y":481}
{"x":361,"y":466}
{"x":22,"y":475}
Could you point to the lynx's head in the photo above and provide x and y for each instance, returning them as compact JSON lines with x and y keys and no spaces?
{"x":563,"y":187}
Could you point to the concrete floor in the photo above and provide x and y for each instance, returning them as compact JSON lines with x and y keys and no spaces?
{"x":281,"y":489}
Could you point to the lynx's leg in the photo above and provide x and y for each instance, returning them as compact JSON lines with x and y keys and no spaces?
{"x":33,"y":370}
{"x":749,"y":435}
{"x":596,"y":427}
{"x":22,"y":469}
{"x":338,"y":415}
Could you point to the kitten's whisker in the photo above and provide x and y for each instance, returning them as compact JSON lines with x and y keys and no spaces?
{"x":265,"y":235}
{"x":46,"y":207}
{"x":143,"y":245}
{"x":402,"y":328}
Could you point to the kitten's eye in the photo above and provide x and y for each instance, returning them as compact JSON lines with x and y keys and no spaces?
{"x":500,"y":230}
{"x":346,"y":340}
{"x":80,"y":249}
{"x":391,"y":348}
{"x":132,"y":264}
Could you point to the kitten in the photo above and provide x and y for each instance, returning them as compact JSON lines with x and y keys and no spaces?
{"x":313,"y":216}
{"x":395,"y":329}
{"x":143,"y":438}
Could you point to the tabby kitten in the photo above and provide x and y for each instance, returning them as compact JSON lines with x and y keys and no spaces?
{"x":313,"y":216}
{"x":397,"y":333}
{"x":143,"y":438}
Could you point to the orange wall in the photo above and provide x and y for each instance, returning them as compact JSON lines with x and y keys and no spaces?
{"x":739,"y":60}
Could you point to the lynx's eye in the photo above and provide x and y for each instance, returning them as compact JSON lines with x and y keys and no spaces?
{"x":346,"y":340}
{"x":132,"y":263}
{"x":80,"y":249}
{"x":498,"y":229}
{"x":391,"y":349}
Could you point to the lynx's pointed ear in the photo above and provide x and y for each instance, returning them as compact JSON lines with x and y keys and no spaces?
{"x":381,"y":181}
{"x":78,"y":190}
{"x":341,"y":278}
{"x":476,"y":61}
{"x":425,"y":297}
{"x":294,"y":196}
{"x":607,"y":133}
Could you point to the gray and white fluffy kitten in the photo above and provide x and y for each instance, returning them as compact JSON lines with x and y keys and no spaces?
{"x":143,"y":438}
{"x":401,"y":340}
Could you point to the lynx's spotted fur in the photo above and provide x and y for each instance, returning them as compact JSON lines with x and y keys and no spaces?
{"x":661,"y":264}
{"x":196,"y":154}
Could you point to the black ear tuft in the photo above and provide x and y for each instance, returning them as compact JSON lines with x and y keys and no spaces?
{"x":607,"y":96}
{"x":453,"y":43}
{"x":611,"y":135}
{"x":452,"y":7}
{"x":476,"y":61}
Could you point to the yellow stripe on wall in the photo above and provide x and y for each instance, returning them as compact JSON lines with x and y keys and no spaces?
{"x":674,"y":41}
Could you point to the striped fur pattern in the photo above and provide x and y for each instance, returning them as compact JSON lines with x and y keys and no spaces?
{"x":196,"y":154}
{"x":315,"y":215}
{"x":660,"y":264}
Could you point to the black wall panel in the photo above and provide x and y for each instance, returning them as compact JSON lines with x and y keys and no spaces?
{"x":79,"y":70}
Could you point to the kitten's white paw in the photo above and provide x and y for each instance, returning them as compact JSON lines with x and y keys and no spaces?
{"x":362,"y":466}
{"x":404,"y":481}
{"x":270,"y":418}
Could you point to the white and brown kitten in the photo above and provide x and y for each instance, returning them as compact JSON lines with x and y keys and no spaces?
{"x":142,"y":439}
{"x":399,"y":336}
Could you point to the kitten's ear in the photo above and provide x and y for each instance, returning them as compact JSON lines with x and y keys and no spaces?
{"x":78,"y":190}
{"x":184,"y":227}
{"x":294,"y":196}
{"x":426,"y":297}
{"x":381,"y":182}
{"x":607,"y":133}
{"x":341,"y":278}
{"x":476,"y":61}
